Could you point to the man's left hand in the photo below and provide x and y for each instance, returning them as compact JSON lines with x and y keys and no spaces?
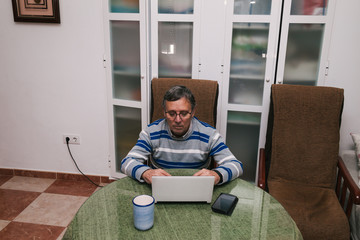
{"x":207,"y":172}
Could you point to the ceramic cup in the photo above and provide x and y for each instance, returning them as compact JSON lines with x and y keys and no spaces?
{"x":143,"y":207}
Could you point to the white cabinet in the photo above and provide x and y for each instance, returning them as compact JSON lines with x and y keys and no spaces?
{"x":252,"y":32}
{"x":245,"y":45}
{"x":126,"y":71}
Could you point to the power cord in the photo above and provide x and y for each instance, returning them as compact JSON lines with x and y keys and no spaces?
{"x":67,"y":144}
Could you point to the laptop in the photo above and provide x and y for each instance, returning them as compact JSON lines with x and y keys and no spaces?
{"x":182,"y":188}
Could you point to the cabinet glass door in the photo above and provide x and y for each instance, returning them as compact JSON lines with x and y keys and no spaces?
{"x":303,"y":54}
{"x":125,"y":42}
{"x":250,"y":7}
{"x":242,"y":138}
{"x":176,"y":6}
{"x":304,"y":41}
{"x":124,"y":6}
{"x":172,"y":38}
{"x":248,"y":63}
{"x":175,"y":49}
{"x":127,"y":126}
{"x":309,"y":7}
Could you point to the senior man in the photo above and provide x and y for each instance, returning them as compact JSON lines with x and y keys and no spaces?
{"x":180,"y":140}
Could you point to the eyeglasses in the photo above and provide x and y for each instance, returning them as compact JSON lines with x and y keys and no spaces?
{"x":183,"y":114}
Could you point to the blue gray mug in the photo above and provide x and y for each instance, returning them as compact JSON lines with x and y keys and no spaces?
{"x":143,"y":207}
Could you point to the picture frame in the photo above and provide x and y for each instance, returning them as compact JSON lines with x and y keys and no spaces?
{"x":43,"y":11}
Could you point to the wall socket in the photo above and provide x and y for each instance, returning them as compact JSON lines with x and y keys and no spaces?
{"x":74,"y":139}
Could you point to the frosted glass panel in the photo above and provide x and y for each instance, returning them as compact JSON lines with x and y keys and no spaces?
{"x":124,"y":6}
{"x":252,"y":7}
{"x":303,"y":54}
{"x":175,"y":49}
{"x":125,"y":44}
{"x":248,"y":62}
{"x":176,"y":6}
{"x":309,"y":7}
{"x":127,"y":122}
{"x":242,"y":138}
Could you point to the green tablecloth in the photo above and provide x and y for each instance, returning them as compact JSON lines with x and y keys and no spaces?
{"x":107,"y":214}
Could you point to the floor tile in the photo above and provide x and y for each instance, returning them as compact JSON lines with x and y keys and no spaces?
{"x":52,"y":209}
{"x":60,"y":237}
{"x":3,"y":224}
{"x":76,"y":188}
{"x":4,"y":178}
{"x":28,"y":184}
{"x":22,"y":231}
{"x":12,"y":202}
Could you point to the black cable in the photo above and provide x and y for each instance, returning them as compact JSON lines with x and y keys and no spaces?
{"x":67,"y":144}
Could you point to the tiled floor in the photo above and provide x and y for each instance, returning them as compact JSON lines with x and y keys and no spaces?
{"x":39,"y":208}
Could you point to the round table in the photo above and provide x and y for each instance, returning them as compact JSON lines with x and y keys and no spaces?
{"x":107,"y":214}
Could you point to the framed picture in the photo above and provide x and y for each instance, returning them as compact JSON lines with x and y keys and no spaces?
{"x":46,"y":11}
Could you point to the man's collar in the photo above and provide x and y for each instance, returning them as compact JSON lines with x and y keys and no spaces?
{"x":185,"y":136}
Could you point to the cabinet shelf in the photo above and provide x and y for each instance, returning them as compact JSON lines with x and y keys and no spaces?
{"x":253,"y":120}
{"x":126,"y":73}
{"x":235,"y":77}
{"x":252,"y":26}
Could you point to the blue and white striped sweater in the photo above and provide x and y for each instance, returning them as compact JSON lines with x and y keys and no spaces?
{"x":193,"y":150}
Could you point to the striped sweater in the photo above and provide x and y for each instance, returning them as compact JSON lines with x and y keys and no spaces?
{"x":193,"y":150}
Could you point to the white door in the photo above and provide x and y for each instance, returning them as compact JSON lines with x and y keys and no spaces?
{"x":125,"y":62}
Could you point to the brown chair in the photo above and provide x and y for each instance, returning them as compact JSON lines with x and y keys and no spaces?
{"x":204,"y":91}
{"x":299,"y":163}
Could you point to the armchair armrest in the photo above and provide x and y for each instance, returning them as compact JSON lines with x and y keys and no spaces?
{"x":345,"y":184}
{"x":261,"y":171}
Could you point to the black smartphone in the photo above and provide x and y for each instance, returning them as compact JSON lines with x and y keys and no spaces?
{"x":225,"y":203}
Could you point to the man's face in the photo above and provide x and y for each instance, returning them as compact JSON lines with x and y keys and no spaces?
{"x":178,"y":115}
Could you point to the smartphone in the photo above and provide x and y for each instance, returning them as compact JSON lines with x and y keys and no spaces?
{"x":225,"y":204}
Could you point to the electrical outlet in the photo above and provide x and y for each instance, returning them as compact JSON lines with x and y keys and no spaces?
{"x":74,"y":139}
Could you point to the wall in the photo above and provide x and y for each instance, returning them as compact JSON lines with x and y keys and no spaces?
{"x":344,"y":70}
{"x":52,"y":82}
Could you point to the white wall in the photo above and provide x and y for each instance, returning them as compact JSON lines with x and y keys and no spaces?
{"x":344,"y":63}
{"x":52,"y":82}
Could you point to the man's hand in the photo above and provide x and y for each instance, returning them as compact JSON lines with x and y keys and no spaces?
{"x":148,"y":174}
{"x":207,"y":172}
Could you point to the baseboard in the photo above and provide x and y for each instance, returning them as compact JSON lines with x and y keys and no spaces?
{"x":54,"y":175}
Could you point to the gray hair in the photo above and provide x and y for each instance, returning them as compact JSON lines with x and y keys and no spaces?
{"x":177,"y":92}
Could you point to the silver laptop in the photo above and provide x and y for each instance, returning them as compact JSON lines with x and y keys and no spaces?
{"x":182,"y":188}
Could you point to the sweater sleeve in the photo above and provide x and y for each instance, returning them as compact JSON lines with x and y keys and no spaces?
{"x":133,"y":164}
{"x":228,"y":166}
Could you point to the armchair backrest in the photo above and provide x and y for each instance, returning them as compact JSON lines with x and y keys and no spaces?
{"x":204,"y":91}
{"x":303,"y":134}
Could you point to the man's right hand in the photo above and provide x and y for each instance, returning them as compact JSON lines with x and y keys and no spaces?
{"x":148,"y":174}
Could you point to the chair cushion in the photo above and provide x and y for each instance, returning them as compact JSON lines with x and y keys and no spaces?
{"x":315,"y":210}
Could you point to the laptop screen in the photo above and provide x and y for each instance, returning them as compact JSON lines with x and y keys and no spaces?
{"x":183,"y":188}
